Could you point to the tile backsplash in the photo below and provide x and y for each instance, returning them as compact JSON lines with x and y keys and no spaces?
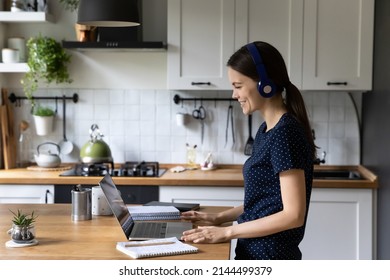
{"x":141,"y":124}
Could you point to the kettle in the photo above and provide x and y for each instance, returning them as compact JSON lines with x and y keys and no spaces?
{"x":95,"y":150}
{"x":48,"y":159}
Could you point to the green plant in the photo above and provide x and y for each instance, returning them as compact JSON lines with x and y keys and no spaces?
{"x":42,"y":111}
{"x":47,"y":61}
{"x":70,"y":5}
{"x":23,"y":220}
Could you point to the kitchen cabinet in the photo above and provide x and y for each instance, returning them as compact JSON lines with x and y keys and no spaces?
{"x":34,"y":194}
{"x":278,"y":22}
{"x":197,"y":57}
{"x":205,"y":196}
{"x":20,"y":17}
{"x":325,"y":48}
{"x":338,"y":44}
{"x":341,"y":225}
{"x":200,"y":41}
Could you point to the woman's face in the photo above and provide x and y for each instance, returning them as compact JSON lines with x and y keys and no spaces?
{"x":245,"y":91}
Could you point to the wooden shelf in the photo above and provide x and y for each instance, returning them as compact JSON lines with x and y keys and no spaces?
{"x":25,"y":17}
{"x":13,"y":67}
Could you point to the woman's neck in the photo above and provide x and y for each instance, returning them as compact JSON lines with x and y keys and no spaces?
{"x":272,"y":113}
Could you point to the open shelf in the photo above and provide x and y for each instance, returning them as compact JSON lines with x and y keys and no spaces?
{"x":13,"y":67}
{"x":25,"y":17}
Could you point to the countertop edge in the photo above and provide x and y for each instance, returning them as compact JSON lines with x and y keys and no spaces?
{"x":221,"y":177}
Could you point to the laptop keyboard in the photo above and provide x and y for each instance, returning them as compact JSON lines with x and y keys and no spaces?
{"x":150,"y":230}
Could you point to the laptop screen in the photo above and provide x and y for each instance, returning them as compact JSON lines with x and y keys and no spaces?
{"x":117,"y":204}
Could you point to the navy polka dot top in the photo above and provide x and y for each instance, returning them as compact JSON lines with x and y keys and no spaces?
{"x":282,"y":148}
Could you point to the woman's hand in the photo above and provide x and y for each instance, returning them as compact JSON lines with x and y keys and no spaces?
{"x":200,"y":218}
{"x":206,"y":235}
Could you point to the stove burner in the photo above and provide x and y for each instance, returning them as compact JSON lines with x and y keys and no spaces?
{"x":94,"y":169}
{"x":140,"y":169}
{"x":128,"y":169}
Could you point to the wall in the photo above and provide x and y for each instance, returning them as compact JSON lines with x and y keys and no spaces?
{"x":125,"y":94}
{"x":141,"y":124}
{"x":376,"y":131}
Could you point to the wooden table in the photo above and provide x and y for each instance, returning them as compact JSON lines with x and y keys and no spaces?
{"x":62,"y":239}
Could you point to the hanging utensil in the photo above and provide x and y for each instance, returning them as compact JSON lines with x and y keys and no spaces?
{"x":249,"y":143}
{"x":200,"y":114}
{"x":65,"y":145}
{"x":229,"y":119}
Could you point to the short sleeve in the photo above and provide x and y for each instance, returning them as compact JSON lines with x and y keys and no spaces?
{"x":289,"y":149}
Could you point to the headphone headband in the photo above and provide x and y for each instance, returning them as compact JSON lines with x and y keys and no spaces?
{"x":265,"y":87}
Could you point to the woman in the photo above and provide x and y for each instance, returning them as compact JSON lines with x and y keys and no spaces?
{"x":278,"y":176}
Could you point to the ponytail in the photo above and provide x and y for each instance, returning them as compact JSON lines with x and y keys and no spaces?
{"x":296,"y":106}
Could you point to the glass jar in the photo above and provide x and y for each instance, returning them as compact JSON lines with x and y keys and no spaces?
{"x":23,"y":234}
{"x":191,"y":157}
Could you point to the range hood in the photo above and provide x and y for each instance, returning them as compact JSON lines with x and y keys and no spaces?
{"x":150,"y":35}
{"x":117,"y":38}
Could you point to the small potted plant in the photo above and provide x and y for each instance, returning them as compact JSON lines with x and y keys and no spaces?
{"x":43,"y":119}
{"x":48,"y":63}
{"x":23,"y":229}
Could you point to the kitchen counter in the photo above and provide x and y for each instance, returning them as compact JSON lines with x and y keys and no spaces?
{"x":224,"y":176}
{"x":61,"y":239}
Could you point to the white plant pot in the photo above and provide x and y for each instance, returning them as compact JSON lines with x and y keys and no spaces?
{"x":43,"y":125}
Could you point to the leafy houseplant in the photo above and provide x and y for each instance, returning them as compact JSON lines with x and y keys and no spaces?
{"x":47,"y":62}
{"x":23,"y":229}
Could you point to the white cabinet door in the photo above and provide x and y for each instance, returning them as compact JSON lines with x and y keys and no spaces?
{"x":338,"y":44}
{"x":26,"y":194}
{"x":341,"y":225}
{"x":205,"y":196}
{"x":278,"y":22}
{"x":200,"y":41}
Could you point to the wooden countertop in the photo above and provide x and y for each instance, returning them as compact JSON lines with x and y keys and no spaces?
{"x":224,"y":176}
{"x":62,"y":239}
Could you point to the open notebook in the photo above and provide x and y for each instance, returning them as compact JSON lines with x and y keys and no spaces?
{"x":155,"y":248}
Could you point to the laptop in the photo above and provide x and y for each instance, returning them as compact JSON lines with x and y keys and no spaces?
{"x":135,"y":230}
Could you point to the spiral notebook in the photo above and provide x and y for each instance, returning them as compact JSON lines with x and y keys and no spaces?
{"x":155,"y":248}
{"x":145,"y":213}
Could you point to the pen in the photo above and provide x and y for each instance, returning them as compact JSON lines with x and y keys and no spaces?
{"x":149,"y":244}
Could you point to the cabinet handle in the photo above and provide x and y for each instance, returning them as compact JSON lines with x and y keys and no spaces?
{"x":46,"y":196}
{"x":200,"y":83}
{"x":337,"y":83}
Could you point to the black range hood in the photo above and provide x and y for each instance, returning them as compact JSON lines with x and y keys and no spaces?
{"x":150,"y":35}
{"x":116,"y":38}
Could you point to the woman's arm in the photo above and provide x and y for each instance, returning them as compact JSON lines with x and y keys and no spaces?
{"x":202,"y":218}
{"x":293,"y":193}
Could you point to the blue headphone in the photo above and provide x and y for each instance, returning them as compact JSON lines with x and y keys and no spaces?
{"x":265,"y":87}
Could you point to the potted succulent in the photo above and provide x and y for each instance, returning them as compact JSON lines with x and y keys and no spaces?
{"x":23,"y":229}
{"x":48,"y":63}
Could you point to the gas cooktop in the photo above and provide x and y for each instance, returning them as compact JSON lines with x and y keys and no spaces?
{"x":128,"y":169}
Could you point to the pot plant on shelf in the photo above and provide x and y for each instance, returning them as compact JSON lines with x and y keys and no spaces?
{"x":23,"y":228}
{"x":48,"y":63}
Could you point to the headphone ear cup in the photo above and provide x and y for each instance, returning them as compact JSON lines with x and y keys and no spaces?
{"x":266,"y":90}
{"x":265,"y":86}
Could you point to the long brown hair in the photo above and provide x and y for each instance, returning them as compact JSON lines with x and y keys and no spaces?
{"x":242,"y":62}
